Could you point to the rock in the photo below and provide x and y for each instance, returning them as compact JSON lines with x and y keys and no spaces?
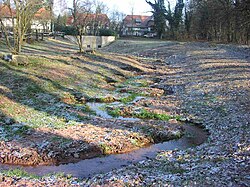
{"x":76,"y":155}
{"x":7,"y":57}
{"x":19,"y":60}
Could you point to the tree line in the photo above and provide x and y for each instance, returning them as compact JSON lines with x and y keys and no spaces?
{"x":212,"y":20}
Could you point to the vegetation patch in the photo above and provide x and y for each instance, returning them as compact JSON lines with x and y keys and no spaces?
{"x":115,"y":112}
{"x":20,"y":130}
{"x":129,"y":98}
{"x":106,"y":149}
{"x":145,"y":114}
{"x":19,"y":173}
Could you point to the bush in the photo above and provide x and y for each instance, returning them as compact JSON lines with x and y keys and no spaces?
{"x":107,"y":32}
{"x":68,"y":30}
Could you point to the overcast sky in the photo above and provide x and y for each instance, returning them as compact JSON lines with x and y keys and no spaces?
{"x":125,"y":6}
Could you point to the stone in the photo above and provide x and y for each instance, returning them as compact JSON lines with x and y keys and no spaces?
{"x":2,"y":56}
{"x":19,"y":60}
{"x":76,"y":155}
{"x":7,"y":57}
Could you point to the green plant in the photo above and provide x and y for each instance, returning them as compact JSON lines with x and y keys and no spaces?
{"x":16,"y":130}
{"x":105,"y":148}
{"x":114,"y":112}
{"x":19,"y":173}
{"x":145,"y":114}
{"x":107,"y":32}
{"x":128,"y":99}
{"x":134,"y":142}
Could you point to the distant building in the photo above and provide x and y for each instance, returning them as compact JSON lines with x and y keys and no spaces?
{"x":40,"y":22}
{"x":137,"y":25}
{"x":92,"y":22}
{"x":6,"y":16}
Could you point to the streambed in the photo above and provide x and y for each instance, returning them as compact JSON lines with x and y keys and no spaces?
{"x":193,"y":136}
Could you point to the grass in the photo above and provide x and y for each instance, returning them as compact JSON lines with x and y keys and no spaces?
{"x":115,"y":112}
{"x":105,"y":148}
{"x":42,"y":93}
{"x":135,"y":142}
{"x":22,"y":130}
{"x":19,"y":173}
{"x":130,"y":98}
{"x":145,"y":114}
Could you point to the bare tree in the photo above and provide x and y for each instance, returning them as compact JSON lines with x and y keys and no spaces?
{"x":116,"y":20}
{"x":132,"y":6}
{"x":80,"y":13}
{"x":98,"y":18}
{"x":44,"y":18}
{"x":20,"y":13}
{"x":50,"y":6}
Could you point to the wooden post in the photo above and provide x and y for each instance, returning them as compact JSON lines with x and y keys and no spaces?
{"x":37,"y":37}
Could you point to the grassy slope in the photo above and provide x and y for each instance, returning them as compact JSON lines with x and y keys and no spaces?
{"x":38,"y":94}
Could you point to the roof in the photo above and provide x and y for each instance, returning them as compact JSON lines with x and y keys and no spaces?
{"x":137,"y":20}
{"x":6,"y":12}
{"x":87,"y":18}
{"x":42,"y":13}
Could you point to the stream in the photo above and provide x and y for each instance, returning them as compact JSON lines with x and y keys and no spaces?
{"x":86,"y":168}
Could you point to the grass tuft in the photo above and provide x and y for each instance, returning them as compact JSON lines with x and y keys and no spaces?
{"x":144,"y":114}
{"x":19,"y":173}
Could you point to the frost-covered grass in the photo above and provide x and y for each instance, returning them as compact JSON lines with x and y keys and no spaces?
{"x":42,"y":94}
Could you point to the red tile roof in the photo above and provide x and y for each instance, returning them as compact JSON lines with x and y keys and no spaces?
{"x":137,"y":20}
{"x":6,"y":12}
{"x":88,"y":18}
{"x":42,"y":13}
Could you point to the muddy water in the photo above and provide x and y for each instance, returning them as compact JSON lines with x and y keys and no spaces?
{"x":193,"y":136}
{"x":86,"y":168}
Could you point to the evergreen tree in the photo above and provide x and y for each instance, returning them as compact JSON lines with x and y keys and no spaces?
{"x":159,"y":11}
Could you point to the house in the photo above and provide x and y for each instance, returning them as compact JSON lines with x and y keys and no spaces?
{"x":137,"y":25}
{"x":40,"y":22}
{"x":6,"y":16}
{"x":92,"y":22}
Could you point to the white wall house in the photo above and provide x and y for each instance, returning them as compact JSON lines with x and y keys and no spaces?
{"x":41,"y":21}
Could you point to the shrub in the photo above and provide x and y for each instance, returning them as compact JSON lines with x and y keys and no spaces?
{"x":107,"y":32}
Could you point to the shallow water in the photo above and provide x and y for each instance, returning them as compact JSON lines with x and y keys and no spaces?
{"x":88,"y":167}
{"x":99,"y":110}
{"x":193,"y":136}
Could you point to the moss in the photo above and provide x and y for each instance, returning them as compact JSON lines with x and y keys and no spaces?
{"x":115,"y":112}
{"x":19,"y":173}
{"x":135,"y":142}
{"x":144,"y":114}
{"x":130,"y":98}
{"x":12,"y":131}
{"x":105,"y":148}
